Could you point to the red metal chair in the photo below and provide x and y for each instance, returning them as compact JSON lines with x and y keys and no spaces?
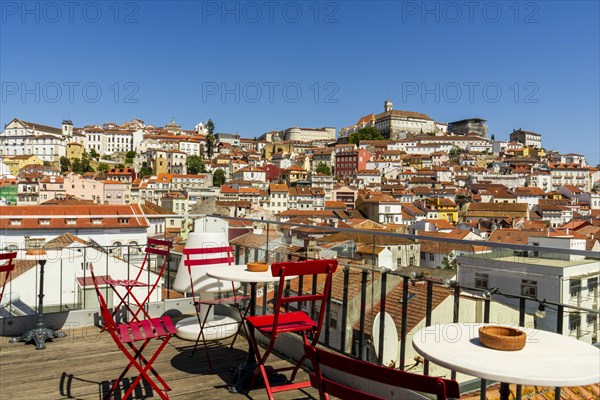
{"x":127,"y":335}
{"x":153,"y":247}
{"x":351,"y":367}
{"x":6,"y":268}
{"x":272,"y":325}
{"x":205,"y":260}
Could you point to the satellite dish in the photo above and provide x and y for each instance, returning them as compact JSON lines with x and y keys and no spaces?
{"x":390,"y":339}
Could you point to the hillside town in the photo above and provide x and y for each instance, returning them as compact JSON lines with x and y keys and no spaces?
{"x":118,"y":184}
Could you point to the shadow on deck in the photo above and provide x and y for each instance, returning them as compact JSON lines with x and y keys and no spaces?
{"x":82,"y":365}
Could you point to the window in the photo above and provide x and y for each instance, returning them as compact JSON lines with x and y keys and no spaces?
{"x":592,"y":285}
{"x":44,"y":221}
{"x":423,"y":256}
{"x":575,"y":287}
{"x":481,"y":281}
{"x":574,"y":323}
{"x":431,"y":257}
{"x":528,"y":288}
{"x":333,"y":318}
{"x":592,"y":318}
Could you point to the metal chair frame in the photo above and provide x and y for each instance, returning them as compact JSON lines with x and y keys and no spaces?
{"x":6,"y":268}
{"x":236,"y":300}
{"x":153,"y":246}
{"x":352,"y":367}
{"x":126,"y":335}
{"x":272,"y":325}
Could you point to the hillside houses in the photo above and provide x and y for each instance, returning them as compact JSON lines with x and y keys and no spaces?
{"x":421,"y":178}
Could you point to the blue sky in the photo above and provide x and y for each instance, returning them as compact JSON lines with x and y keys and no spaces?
{"x":253,"y":67}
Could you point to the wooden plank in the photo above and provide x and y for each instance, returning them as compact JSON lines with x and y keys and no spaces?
{"x":80,"y":366}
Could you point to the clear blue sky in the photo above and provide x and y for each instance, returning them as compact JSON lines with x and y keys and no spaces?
{"x":254,"y":67}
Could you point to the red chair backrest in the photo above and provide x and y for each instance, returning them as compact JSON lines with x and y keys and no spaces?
{"x":7,"y":268}
{"x":105,"y":313}
{"x":205,"y":259}
{"x":442,"y":388}
{"x":310,"y":267}
{"x":158,"y":247}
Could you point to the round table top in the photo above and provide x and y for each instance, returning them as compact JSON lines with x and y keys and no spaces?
{"x":548,"y":359}
{"x":240,"y":273}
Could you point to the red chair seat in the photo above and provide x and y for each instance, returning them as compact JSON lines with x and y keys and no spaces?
{"x":126,"y":283}
{"x":289,"y":322}
{"x":150,"y":329}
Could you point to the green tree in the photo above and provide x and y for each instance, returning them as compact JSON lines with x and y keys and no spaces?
{"x":65,"y":164}
{"x":369,"y":133}
{"x":194,"y":165}
{"x":219,"y":177}
{"x":455,"y":153}
{"x":129,"y":156}
{"x":120,"y":166}
{"x":210,"y":144}
{"x":105,"y":157}
{"x":103,"y":168}
{"x":449,"y":263}
{"x":210,"y":126}
{"x":145,"y":170}
{"x":93,"y":153}
{"x":324,"y":168}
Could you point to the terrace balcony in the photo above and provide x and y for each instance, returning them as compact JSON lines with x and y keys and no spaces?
{"x":80,"y":365}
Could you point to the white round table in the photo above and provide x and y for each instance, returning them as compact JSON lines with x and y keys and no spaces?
{"x":548,"y":359}
{"x":240,"y":273}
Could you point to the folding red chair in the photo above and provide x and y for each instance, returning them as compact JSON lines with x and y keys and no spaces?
{"x":153,"y":247}
{"x":351,"y":368}
{"x":272,"y":325}
{"x":6,"y":268}
{"x":203,"y":259}
{"x":126,"y":335}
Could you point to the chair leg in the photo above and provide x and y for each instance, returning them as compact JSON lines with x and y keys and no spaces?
{"x":143,"y":373}
{"x":201,"y":336}
{"x":242,"y":325}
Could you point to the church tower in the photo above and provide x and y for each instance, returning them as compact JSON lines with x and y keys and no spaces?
{"x":387,"y":106}
{"x":67,"y":128}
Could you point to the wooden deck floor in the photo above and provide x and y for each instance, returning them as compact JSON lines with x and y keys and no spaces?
{"x":81,"y":365}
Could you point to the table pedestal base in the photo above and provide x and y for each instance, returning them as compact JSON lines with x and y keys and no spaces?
{"x":39,"y":335}
{"x":243,"y":374}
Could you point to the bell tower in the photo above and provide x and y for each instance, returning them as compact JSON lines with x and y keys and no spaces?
{"x":388,"y":106}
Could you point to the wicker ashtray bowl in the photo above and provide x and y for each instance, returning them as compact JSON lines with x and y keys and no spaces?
{"x":502,"y":338}
{"x":257,"y":266}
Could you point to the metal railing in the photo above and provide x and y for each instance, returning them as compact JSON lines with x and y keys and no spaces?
{"x":365,"y":285}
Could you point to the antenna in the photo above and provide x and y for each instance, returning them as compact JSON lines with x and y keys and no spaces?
{"x":390,"y":339}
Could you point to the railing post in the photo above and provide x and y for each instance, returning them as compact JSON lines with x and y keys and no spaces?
{"x":327,"y":317}
{"x":486,"y":311}
{"x":404,"y":322}
{"x":363,"y":303}
{"x":381,"y":338}
{"x":428,"y":310}
{"x":267,"y":245}
{"x":559,"y":330}
{"x":455,"y":316}
{"x":345,"y":308}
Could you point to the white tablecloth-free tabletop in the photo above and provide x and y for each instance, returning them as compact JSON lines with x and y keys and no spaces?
{"x":548,"y":359}
{"x":240,"y":273}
